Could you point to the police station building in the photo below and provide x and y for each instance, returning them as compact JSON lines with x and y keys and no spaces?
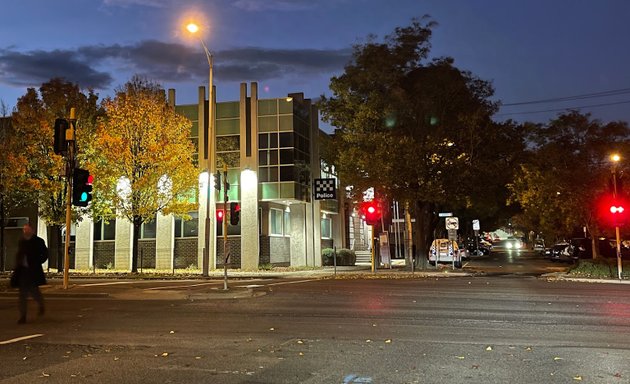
{"x":271,"y":148}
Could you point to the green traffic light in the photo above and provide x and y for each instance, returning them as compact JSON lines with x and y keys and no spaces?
{"x":84,"y":196}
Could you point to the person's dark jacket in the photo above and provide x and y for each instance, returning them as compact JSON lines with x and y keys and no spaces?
{"x":36,"y":253}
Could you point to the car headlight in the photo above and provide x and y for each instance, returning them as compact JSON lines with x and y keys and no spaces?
{"x":508,"y":245}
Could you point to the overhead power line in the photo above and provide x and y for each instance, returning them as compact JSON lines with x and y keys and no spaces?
{"x":563,"y":109}
{"x":614,"y":92}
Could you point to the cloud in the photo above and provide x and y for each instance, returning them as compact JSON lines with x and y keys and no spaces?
{"x":96,"y":66}
{"x":274,"y":5}
{"x":145,"y":3}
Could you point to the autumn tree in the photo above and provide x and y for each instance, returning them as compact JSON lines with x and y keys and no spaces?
{"x":566,"y":172}
{"x":419,"y":131}
{"x":145,"y":164}
{"x":33,"y":121}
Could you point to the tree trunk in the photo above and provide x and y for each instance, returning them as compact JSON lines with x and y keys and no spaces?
{"x":426,"y":221}
{"x":137,"y":222}
{"x":56,"y":247}
{"x":409,"y":236}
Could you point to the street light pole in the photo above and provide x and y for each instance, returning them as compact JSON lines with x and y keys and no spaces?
{"x":211,"y":164}
{"x":615,"y":159}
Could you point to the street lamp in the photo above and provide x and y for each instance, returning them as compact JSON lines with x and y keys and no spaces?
{"x":615,"y":158}
{"x":193,"y":28}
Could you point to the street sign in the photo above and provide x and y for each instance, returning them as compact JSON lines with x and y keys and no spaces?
{"x":445,"y":214}
{"x":452,"y":223}
{"x":476,"y":226}
{"x":325,"y":189}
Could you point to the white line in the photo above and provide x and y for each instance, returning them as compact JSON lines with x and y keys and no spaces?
{"x":182,"y":286}
{"x":109,"y":283}
{"x":291,"y":282}
{"x":21,"y":338}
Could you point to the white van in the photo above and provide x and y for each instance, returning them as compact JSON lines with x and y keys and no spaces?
{"x":445,"y":251}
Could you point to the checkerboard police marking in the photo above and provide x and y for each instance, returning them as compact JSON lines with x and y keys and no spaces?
{"x":325,"y":189}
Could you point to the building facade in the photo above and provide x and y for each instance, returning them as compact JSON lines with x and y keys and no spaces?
{"x":270,"y":151}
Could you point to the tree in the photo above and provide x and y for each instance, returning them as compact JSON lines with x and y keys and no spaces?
{"x":566,"y":172}
{"x":420,"y":133}
{"x":145,"y":164}
{"x":33,"y":121}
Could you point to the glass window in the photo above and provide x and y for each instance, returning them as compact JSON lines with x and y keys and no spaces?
{"x":287,"y":223}
{"x":285,"y":106}
{"x":228,"y":127}
{"x":267,"y":107}
{"x":275,"y":221}
{"x":273,"y":174}
{"x":286,"y":156}
{"x":286,"y":123}
{"x":286,"y":139}
{"x":148,"y":230}
{"x":263,"y":157}
{"x":326,"y":224}
{"x":273,"y":157}
{"x":287,"y":173}
{"x":228,"y":109}
{"x":187,"y":228}
{"x":263,"y":141}
{"x":268,"y":124}
{"x":273,"y":140}
{"x":263,"y":174}
{"x":104,"y":230}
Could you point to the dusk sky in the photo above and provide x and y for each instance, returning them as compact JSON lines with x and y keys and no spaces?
{"x":530,"y":49}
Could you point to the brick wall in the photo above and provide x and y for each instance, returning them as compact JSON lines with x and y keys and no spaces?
{"x":146,"y":253}
{"x":185,"y":252}
{"x":234,"y":248}
{"x":104,"y":254}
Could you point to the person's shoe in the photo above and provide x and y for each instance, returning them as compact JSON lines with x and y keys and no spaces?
{"x":22,"y":320}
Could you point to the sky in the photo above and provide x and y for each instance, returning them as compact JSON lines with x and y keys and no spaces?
{"x":532,"y":51}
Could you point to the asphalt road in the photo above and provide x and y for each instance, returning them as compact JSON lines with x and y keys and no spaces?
{"x":492,"y":329}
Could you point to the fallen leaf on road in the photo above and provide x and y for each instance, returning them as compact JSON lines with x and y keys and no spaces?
{"x":388,"y":341}
{"x":557,"y":358}
{"x":116,"y":358}
{"x":197,"y":357}
{"x":461,"y":357}
{"x":165,"y":354}
{"x":475,"y":367}
{"x":272,"y":329}
{"x":172,"y":332}
{"x":44,"y":374}
{"x":577,"y":378}
{"x":301,"y":354}
{"x":488,"y":348}
{"x":300,"y":342}
{"x":528,"y":348}
{"x":24,"y":358}
{"x":368,"y":341}
{"x":617,"y":374}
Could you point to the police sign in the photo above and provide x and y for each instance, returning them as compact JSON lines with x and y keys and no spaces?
{"x":325,"y":189}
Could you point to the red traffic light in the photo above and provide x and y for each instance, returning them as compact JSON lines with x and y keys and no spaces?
{"x":371,"y":212}
{"x":220,"y":215}
{"x":616,"y":209}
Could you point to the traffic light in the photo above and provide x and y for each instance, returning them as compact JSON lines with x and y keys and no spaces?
{"x":217,"y":181}
{"x":618,"y":212}
{"x":235,"y":213}
{"x":220,"y":215}
{"x":81,"y":187}
{"x":371,"y":211}
{"x":60,"y":144}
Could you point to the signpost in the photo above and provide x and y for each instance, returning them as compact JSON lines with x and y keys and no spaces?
{"x":325,"y":189}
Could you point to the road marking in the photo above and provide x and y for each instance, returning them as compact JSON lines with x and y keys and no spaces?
{"x":291,"y":282}
{"x":108,"y":283}
{"x":183,"y":286}
{"x":21,"y":338}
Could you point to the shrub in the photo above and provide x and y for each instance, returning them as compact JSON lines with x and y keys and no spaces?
{"x":345,"y":257}
{"x":600,"y":268}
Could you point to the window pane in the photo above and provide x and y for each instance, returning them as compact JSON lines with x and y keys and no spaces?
{"x":286,"y":156}
{"x":273,"y":174}
{"x":326,"y":228}
{"x":109,"y":230}
{"x":263,"y":174}
{"x":268,"y":124}
{"x":148,"y":230}
{"x":286,"y":139}
{"x":263,"y":141}
{"x":273,"y":140}
{"x":287,"y":174}
{"x":98,"y":228}
{"x":286,"y":123}
{"x":263,"y":157}
{"x":275,"y":217}
{"x":273,"y":157}
{"x":178,"y":227}
{"x":287,"y":223}
{"x":228,"y":109}
{"x":285,"y":106}
{"x":228,"y":127}
{"x":191,"y":227}
{"x":267,"y":107}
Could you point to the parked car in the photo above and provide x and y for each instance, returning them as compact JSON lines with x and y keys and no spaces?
{"x":539,"y":245}
{"x":562,"y":251}
{"x":479,"y":247}
{"x":445,"y":251}
{"x":582,"y":248}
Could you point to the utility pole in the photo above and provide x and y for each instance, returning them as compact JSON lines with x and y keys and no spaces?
{"x":226,"y":253}
{"x":70,"y":139}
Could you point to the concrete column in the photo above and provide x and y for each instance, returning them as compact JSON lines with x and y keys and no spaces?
{"x":298,"y":234}
{"x":164,"y":241}
{"x":250,"y":244}
{"x":123,"y":245}
{"x":83,"y":244}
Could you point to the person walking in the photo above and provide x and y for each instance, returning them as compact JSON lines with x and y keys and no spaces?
{"x":31,"y":254}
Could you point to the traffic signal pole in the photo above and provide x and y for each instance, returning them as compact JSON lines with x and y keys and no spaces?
{"x":226,"y":253}
{"x":70,"y":137}
{"x":617,"y":236}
